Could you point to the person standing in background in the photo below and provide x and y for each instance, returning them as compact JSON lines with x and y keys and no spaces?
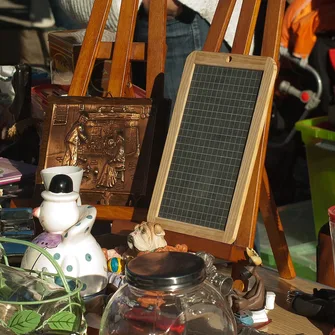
{"x":187,"y":28}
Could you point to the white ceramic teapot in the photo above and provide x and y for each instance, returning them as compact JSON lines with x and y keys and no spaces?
{"x":68,"y":237}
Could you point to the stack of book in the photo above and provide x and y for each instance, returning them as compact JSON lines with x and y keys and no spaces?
{"x":13,"y":171}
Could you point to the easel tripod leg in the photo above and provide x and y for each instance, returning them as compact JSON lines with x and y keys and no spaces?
{"x":275,"y":230}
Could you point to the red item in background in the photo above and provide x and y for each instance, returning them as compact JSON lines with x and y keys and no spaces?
{"x":331,"y":213}
{"x":39,"y":98}
{"x":305,"y":97}
{"x":332,"y":57}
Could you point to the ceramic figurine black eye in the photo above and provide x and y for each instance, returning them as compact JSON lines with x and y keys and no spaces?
{"x":61,"y":183}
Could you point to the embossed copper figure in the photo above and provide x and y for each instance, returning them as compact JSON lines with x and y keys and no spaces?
{"x":114,"y":166}
{"x":73,"y":139}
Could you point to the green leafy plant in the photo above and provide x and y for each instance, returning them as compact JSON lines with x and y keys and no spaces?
{"x":24,"y":322}
{"x":62,"y":321}
{"x":27,"y":321}
{"x":5,"y":290}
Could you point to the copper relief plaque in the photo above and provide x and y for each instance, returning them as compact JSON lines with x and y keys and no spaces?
{"x":105,"y":138}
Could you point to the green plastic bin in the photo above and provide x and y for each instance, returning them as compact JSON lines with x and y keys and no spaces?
{"x":320,"y":150}
{"x":303,"y":258}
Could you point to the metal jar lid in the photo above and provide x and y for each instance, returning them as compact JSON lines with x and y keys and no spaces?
{"x":165,"y":271}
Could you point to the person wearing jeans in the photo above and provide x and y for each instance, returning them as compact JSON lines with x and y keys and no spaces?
{"x":187,"y":28}
{"x":185,"y":33}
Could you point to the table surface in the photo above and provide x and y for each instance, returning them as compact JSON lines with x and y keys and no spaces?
{"x":284,"y":322}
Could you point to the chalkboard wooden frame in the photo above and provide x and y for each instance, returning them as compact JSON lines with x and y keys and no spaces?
{"x":269,"y":69}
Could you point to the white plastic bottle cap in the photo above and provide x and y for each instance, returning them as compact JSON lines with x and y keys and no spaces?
{"x":270,"y":300}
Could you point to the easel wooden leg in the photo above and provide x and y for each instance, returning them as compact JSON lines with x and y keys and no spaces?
{"x":262,"y":198}
{"x":275,"y":230}
{"x":270,"y":47}
{"x":247,"y":230}
{"x":259,"y":194}
{"x":90,"y":47}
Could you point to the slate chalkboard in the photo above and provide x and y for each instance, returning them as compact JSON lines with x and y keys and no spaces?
{"x":212,"y":144}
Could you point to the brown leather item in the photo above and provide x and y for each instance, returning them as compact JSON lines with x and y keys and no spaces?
{"x":325,"y":263}
{"x":64,"y":51}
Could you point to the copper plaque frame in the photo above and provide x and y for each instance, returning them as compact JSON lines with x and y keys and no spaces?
{"x":110,"y":138}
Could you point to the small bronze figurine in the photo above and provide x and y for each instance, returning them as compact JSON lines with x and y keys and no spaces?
{"x":249,"y":290}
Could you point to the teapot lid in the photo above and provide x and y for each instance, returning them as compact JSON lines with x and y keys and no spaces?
{"x":165,"y":271}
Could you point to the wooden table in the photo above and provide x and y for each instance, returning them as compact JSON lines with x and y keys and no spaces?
{"x":284,"y":322}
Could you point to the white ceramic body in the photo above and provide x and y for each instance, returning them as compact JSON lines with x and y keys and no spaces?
{"x":78,"y":254}
{"x":58,"y":212}
{"x":74,"y":172}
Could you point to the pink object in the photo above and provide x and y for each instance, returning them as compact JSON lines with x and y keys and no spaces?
{"x":36,"y":212}
{"x":12,"y":171}
{"x":113,"y":253}
{"x":331,"y":213}
{"x":332,"y":57}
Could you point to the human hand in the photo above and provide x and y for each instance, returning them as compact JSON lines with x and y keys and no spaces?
{"x":174,"y":7}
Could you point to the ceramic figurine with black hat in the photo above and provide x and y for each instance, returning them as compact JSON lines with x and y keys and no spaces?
{"x":67,"y":237}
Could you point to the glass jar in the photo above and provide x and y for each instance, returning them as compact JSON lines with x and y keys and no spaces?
{"x":167,"y":293}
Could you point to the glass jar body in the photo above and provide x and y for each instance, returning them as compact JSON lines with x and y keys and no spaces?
{"x":198,"y":310}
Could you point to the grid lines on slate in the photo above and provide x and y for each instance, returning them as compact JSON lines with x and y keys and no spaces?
{"x":210,"y":145}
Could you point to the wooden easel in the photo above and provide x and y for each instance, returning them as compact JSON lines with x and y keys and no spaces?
{"x":123,"y":49}
{"x":259,"y":195}
{"x":121,"y":53}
